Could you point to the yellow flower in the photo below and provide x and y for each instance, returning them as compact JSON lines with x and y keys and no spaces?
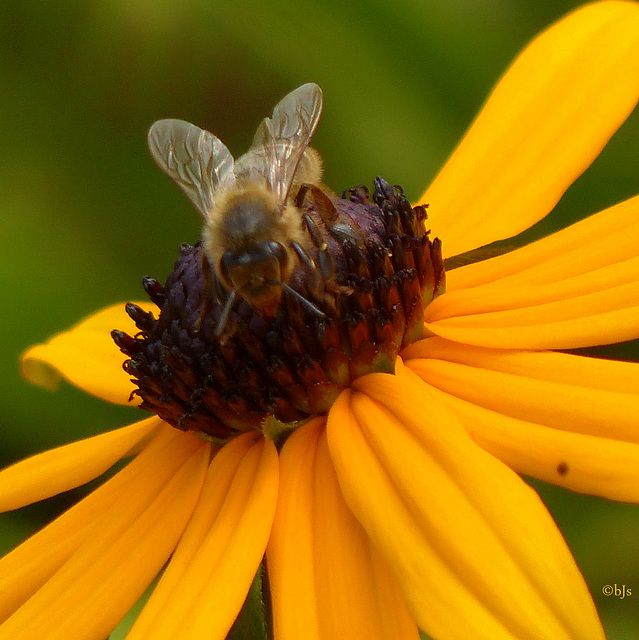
{"x":401,"y":508}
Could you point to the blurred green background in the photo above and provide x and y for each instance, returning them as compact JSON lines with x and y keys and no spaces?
{"x":86,"y":214}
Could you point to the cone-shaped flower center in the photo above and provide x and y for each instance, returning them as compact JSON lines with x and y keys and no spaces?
{"x":290,"y":364}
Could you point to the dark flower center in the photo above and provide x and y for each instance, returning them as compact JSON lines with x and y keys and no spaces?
{"x":280,"y":368}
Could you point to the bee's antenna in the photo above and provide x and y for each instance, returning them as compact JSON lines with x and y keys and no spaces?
{"x":221,"y":323}
{"x":309,"y":305}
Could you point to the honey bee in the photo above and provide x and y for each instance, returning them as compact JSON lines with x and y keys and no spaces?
{"x":254,"y":232}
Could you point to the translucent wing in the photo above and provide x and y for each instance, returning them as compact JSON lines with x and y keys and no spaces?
{"x":193,"y":158}
{"x":280,"y":141}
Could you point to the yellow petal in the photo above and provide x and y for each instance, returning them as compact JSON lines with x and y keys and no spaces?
{"x":222,"y":548}
{"x":602,"y":239}
{"x":561,"y":405}
{"x":583,"y":463}
{"x":475,"y":551}
{"x":96,"y":578}
{"x":214,"y":491}
{"x":545,"y":122}
{"x":86,"y":356}
{"x":578,"y":287}
{"x":30,"y":565}
{"x":603,"y":317}
{"x":110,"y":575}
{"x":327,"y":580}
{"x":563,"y":368}
{"x":289,"y":556}
{"x":615,"y":287}
{"x":592,"y":330}
{"x":600,"y":291}
{"x":52,"y":472}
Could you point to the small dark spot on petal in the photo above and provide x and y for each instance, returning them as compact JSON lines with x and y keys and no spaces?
{"x":562,"y":468}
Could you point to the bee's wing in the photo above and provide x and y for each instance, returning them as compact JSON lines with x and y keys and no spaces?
{"x":280,"y":141}
{"x":193,"y":158}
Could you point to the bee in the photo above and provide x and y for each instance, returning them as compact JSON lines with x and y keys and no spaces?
{"x":254,"y":234}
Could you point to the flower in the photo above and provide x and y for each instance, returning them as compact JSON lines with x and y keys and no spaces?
{"x":401,"y":507}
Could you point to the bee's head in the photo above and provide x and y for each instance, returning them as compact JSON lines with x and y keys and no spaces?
{"x":256,"y":273}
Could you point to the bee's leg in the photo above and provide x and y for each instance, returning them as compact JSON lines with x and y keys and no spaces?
{"x":315,"y":203}
{"x":308,"y":198}
{"x":326,"y":266}
{"x":320,"y":217}
{"x":307,"y":304}
{"x":325,"y":284}
{"x":301,"y":194}
{"x":223,"y":329}
{"x":309,"y":266}
{"x":302,"y":254}
{"x":319,"y":202}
